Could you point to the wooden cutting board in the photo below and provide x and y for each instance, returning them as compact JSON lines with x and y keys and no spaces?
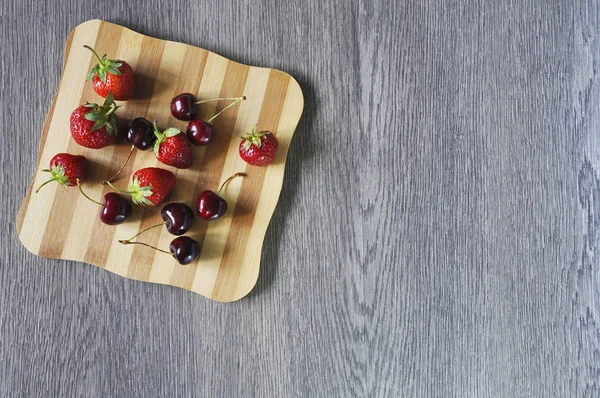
{"x":61,"y":223}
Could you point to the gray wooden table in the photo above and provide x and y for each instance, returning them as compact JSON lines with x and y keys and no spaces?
{"x":437,"y":230}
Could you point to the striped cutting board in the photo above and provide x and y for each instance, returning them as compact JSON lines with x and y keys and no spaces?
{"x":61,"y":223}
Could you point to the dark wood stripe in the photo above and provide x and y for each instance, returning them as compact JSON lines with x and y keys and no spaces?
{"x":45,"y":128}
{"x":214,"y":161}
{"x":189,"y":78}
{"x":146,"y":69}
{"x":245,"y":208}
{"x":57,"y":230}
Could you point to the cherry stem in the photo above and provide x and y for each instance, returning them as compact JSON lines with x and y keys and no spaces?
{"x":84,"y":194}
{"x":117,"y":189}
{"x":229,"y":179}
{"x":127,"y":241}
{"x":47,"y":182}
{"x":242,"y":98}
{"x":216,"y":99}
{"x":94,"y":52}
{"x":111,"y":179}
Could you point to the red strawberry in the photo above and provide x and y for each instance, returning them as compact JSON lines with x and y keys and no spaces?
{"x":150,"y":186}
{"x":66,"y":169}
{"x":114,"y":76}
{"x":258,"y":149}
{"x":172,"y":148}
{"x":94,"y":126}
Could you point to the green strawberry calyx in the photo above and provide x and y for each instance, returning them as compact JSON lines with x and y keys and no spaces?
{"x":57,"y":173}
{"x":162,"y":136}
{"x":103,"y":66}
{"x":139,"y":194}
{"x":103,"y":115}
{"x":254,"y":138}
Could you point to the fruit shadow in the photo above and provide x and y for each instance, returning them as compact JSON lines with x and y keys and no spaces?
{"x":299,"y":152}
{"x":147,"y":86}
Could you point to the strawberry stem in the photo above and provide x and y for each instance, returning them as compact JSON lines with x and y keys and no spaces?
{"x":127,"y":241}
{"x":95,"y":54}
{"x":240,"y":174}
{"x":111,"y":110}
{"x":242,"y":98}
{"x":84,"y":194}
{"x":111,"y":179}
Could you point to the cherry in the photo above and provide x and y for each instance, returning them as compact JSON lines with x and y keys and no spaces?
{"x":184,"y":249}
{"x":178,"y":217}
{"x":210,"y":205}
{"x":200,"y":132}
{"x":141,"y":133}
{"x":115,"y":208}
{"x":185,"y":107}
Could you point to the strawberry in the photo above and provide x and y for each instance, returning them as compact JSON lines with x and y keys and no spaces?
{"x":150,"y":186}
{"x":258,"y":149}
{"x":172,"y":148}
{"x":111,"y":75}
{"x":66,"y":169}
{"x":94,"y":126}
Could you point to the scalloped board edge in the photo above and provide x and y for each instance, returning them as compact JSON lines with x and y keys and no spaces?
{"x":59,"y":223}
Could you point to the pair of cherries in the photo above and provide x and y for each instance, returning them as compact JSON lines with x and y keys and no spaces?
{"x":186,"y":107}
{"x":179,"y":218}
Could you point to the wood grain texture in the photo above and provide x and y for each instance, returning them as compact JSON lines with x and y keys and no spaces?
{"x":437,"y":229}
{"x":228,"y":266}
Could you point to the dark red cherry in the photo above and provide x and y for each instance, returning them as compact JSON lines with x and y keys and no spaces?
{"x":200,"y":132}
{"x":184,"y":249}
{"x":211,"y":206}
{"x":184,"y":107}
{"x":115,"y":209}
{"x":179,"y":218}
{"x":141,"y":133}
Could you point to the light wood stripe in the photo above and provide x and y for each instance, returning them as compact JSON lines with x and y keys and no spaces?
{"x":63,"y":224}
{"x":245,"y":208}
{"x":216,"y":67}
{"x":271,"y":188}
